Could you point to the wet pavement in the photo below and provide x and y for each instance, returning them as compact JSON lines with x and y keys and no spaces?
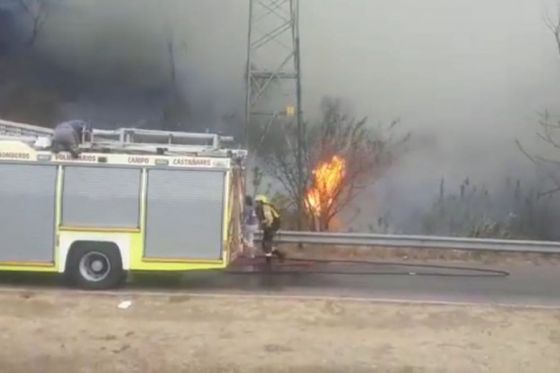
{"x":522,"y":284}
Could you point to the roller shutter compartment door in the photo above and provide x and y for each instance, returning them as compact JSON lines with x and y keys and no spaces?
{"x":102,"y":197}
{"x":184,"y":214}
{"x":27,"y":212}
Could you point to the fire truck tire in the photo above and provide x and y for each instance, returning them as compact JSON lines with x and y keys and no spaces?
{"x":95,"y":266}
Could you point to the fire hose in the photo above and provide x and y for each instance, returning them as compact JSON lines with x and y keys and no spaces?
{"x":304,"y":266}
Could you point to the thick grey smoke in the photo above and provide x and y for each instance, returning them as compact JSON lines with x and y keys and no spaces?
{"x":465,"y":77}
{"x":119,"y":52}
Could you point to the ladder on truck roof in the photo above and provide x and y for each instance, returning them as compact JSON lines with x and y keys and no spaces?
{"x":132,"y":140}
{"x":9,"y":128}
{"x":157,"y":141}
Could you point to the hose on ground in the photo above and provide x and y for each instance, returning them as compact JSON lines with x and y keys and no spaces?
{"x":311,"y":266}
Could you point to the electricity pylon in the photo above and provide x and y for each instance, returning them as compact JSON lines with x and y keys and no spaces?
{"x":273,"y":75}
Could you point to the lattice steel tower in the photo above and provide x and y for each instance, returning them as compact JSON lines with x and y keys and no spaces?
{"x":273,"y":76}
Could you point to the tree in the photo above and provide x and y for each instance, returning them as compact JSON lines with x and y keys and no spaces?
{"x":547,"y":133}
{"x":361,"y":152}
{"x":176,"y":110}
{"x":548,"y":130}
{"x":36,"y":14}
{"x":554,"y":27}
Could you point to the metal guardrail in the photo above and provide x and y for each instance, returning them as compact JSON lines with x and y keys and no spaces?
{"x":420,"y":242}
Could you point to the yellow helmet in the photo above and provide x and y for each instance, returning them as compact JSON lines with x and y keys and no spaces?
{"x":261,"y":198}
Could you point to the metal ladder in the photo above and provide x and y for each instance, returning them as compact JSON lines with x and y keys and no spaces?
{"x":9,"y":128}
{"x":155,"y":141}
{"x":132,"y":140}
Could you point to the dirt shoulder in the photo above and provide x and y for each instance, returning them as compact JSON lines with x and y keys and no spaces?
{"x":75,"y":332}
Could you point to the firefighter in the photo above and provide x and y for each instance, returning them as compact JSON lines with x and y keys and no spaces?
{"x":269,"y":220}
{"x":68,"y":136}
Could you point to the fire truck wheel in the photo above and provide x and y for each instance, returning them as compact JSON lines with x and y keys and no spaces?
{"x":95,"y":267}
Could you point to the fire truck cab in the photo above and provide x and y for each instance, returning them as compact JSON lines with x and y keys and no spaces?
{"x":134,"y":200}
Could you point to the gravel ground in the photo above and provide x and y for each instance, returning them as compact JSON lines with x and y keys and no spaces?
{"x":66,"y":331}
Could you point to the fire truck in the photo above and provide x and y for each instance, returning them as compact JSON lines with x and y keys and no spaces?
{"x":134,"y":200}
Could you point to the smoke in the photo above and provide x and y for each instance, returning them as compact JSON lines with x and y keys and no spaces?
{"x":466,"y":78}
{"x":118,"y":53}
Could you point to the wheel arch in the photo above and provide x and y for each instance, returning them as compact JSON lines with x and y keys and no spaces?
{"x":68,"y":242}
{"x":81,"y":244}
{"x":79,"y":271}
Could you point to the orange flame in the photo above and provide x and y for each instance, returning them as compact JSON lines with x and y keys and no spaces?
{"x":328,"y":177}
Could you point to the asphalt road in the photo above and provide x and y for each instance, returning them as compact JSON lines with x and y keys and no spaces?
{"x":517,"y":285}
{"x":524,"y":285}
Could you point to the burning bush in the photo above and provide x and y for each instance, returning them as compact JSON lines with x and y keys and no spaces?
{"x":342,"y":156}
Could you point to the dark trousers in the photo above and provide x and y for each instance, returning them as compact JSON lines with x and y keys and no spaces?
{"x":268,"y":237}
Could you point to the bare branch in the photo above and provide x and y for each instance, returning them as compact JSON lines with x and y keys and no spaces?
{"x":367,"y":152}
{"x":537,"y":161}
{"x":547,"y":160}
{"x":546,"y":124}
{"x":554,"y":26}
{"x":36,"y":11}
{"x":548,"y":192}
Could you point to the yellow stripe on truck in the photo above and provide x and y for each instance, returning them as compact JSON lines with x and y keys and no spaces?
{"x":27,"y":267}
{"x":99,"y":229}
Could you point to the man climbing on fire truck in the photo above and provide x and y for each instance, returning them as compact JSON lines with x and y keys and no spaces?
{"x":68,"y":136}
{"x":269,"y":220}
